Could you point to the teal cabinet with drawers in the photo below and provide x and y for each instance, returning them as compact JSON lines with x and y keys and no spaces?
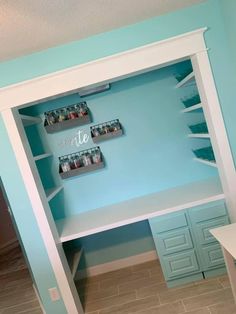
{"x":186,"y":249}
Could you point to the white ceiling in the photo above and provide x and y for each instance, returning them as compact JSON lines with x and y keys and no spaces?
{"x":28,"y":26}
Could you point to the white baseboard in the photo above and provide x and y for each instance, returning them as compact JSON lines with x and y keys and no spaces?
{"x":9,"y":245}
{"x":117,"y":264}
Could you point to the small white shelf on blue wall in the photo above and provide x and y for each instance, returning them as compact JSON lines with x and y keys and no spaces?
{"x":29,"y":120}
{"x":51,"y":193}
{"x":192,"y":108}
{"x":199,"y":135}
{"x":42,"y":156}
{"x":189,"y":78}
{"x":206,"y":162}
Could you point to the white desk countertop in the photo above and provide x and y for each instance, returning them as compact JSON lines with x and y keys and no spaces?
{"x":226,"y":235}
{"x":140,"y":208}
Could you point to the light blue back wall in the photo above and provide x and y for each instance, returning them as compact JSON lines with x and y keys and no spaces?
{"x":205,"y":14}
{"x":228,"y":8}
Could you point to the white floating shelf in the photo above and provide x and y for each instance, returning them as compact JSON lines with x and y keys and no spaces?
{"x":139,"y":209}
{"x":73,"y":258}
{"x":199,"y":135}
{"x":206,"y":162}
{"x":186,"y":80}
{"x":42,"y":156}
{"x":192,"y":108}
{"x":28,"y":120}
{"x":51,"y":193}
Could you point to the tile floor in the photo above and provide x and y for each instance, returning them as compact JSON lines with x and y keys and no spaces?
{"x":138,"y":289}
{"x":16,"y":291}
{"x":141,"y":289}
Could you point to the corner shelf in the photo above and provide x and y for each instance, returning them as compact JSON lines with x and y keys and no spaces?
{"x":29,"y":120}
{"x":192,"y":108}
{"x":190,"y":77}
{"x":206,"y":162}
{"x":42,"y":156}
{"x":199,"y":135}
{"x":73,"y":258}
{"x":51,"y":193}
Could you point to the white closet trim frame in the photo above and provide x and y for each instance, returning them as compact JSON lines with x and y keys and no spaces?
{"x":106,"y":70}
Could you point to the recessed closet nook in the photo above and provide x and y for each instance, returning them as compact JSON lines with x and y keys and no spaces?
{"x":158,"y":178}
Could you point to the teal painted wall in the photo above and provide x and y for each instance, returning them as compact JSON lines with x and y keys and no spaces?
{"x":205,"y":14}
{"x":27,"y":225}
{"x":228,"y":8}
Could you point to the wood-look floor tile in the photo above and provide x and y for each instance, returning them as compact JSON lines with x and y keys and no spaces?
{"x":203,"y":310}
{"x":27,"y":307}
{"x":33,"y":311}
{"x":224,"y":280}
{"x":105,"y":293}
{"x":132,"y":307}
{"x":120,"y":273}
{"x":223,"y":308}
{"x":189,"y":291}
{"x":151,"y":265}
{"x":108,"y":302}
{"x":144,"y":292}
{"x":87,"y":288}
{"x":171,"y":308}
{"x":17,"y":298}
{"x":27,"y":285}
{"x":135,"y":284}
{"x":208,"y":299}
{"x":107,"y":283}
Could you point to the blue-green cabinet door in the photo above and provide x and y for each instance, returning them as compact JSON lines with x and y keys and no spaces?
{"x":202,"y":219}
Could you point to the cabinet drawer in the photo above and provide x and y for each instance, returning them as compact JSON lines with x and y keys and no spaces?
{"x":207,"y":212}
{"x":173,"y":241}
{"x":180,"y":264}
{"x":202,"y":229}
{"x":213,"y":255}
{"x":168,"y":222}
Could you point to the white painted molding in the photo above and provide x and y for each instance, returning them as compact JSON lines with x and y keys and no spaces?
{"x":217,"y":131}
{"x":104,"y":70}
{"x":117,"y":264}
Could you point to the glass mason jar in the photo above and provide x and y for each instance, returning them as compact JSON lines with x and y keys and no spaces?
{"x":96,"y":156}
{"x":87,"y":159}
{"x":65,"y":164}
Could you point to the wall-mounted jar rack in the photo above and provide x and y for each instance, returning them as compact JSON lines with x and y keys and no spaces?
{"x":80,"y":162}
{"x":67,"y":117}
{"x":105,"y":131}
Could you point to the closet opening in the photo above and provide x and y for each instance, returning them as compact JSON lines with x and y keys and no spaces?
{"x":164,"y":146}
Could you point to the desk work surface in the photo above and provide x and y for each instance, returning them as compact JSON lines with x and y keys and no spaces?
{"x":139,"y":209}
{"x":226,"y":236}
